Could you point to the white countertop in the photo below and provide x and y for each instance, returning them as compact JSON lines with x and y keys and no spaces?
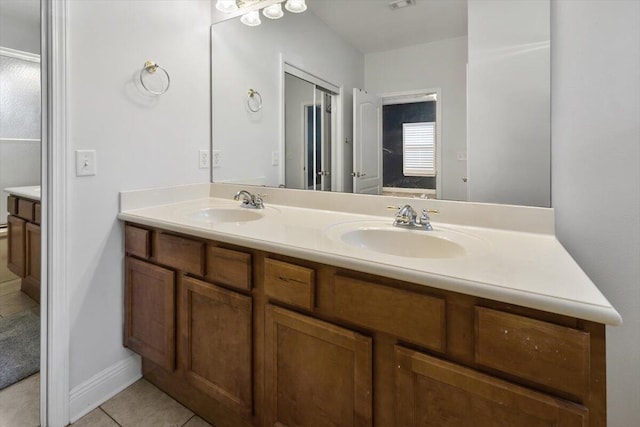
{"x":518,"y":267}
{"x":30,"y":192}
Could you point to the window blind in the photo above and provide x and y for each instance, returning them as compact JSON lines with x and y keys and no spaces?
{"x":419,"y":149}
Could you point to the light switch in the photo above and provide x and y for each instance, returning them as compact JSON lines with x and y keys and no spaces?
{"x":275,"y":158}
{"x":85,"y":162}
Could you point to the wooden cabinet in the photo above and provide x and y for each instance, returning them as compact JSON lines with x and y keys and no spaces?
{"x":149,"y":300}
{"x":266,"y":340}
{"x":216,"y":342}
{"x":31,"y":281}
{"x":23,"y":257}
{"x":316,"y":373}
{"x":431,"y":392}
{"x":16,"y":254}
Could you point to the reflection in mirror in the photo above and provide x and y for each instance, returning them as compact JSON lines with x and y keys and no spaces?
{"x":309,"y":134}
{"x":367,"y":125}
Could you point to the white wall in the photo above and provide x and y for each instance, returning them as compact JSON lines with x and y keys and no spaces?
{"x":141,"y":141}
{"x":19,"y":124}
{"x":20,"y":160}
{"x":596,"y":170}
{"x":244,"y":58}
{"x":440,"y":64}
{"x":508,"y":102}
{"x":20,"y":25}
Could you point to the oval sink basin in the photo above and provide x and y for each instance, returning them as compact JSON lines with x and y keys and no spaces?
{"x":214,"y":215}
{"x":404,"y":243}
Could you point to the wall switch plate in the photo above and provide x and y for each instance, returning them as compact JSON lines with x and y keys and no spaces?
{"x":216,"y":158}
{"x":85,"y":162}
{"x":204,"y":159}
{"x":461,"y":155}
{"x":275,"y":158}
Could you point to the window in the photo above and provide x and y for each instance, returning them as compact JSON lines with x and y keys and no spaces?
{"x":419,"y":149}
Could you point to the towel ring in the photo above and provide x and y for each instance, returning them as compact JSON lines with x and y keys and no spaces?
{"x":251,"y":95}
{"x":151,"y":67}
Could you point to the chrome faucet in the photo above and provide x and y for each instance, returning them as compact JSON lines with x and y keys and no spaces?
{"x":407,"y":217}
{"x":251,"y":201}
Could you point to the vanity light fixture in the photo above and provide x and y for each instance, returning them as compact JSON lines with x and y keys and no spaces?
{"x":226,"y":6}
{"x":251,"y":9}
{"x":251,"y":19}
{"x":273,"y":12}
{"x":296,"y":6}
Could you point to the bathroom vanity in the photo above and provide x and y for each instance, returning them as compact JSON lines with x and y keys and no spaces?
{"x":23,"y":231}
{"x":290,"y":316}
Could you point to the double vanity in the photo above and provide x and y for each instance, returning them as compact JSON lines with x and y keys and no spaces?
{"x":317,"y":311}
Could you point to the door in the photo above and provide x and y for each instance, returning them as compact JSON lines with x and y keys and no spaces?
{"x":367,"y":143}
{"x":434,"y":393}
{"x":16,"y":254}
{"x":316,"y":374}
{"x":215,"y":342}
{"x":149,"y":301}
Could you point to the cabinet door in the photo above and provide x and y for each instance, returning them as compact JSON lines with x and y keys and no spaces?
{"x":433,"y":393}
{"x":150,"y":312}
{"x":215,"y":342}
{"x":16,"y":255}
{"x":316,"y":374}
{"x":31,"y":281}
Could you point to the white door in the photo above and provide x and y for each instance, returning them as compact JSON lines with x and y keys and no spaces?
{"x":367,"y":143}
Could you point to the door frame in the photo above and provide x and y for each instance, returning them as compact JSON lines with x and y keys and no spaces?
{"x":409,"y":96}
{"x":54,"y":383}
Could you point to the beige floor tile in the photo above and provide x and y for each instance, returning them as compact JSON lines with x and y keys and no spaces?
{"x":144,"y":405}
{"x":20,"y":403}
{"x":10,"y":286}
{"x":95,"y":418}
{"x":196,"y":421}
{"x":15,"y":302}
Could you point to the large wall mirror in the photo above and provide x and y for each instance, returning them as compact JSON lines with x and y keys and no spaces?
{"x":425,"y":98}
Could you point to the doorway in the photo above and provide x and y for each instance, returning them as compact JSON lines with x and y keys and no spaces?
{"x":397,"y":143}
{"x":310,"y":131}
{"x":21,"y":318}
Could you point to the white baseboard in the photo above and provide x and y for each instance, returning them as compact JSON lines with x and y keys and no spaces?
{"x":103,"y":386}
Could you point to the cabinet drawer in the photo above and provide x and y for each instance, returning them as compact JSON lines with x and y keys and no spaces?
{"x":417,"y":318}
{"x":37,"y":213}
{"x":25,"y":209}
{"x":435,"y":392}
{"x":289,"y":283}
{"x":229,"y":267}
{"x":180,"y":253}
{"x":137,"y":241}
{"x":12,"y":205}
{"x":544,"y":353}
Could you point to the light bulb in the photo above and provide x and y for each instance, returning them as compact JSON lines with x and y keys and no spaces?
{"x":226,"y":6}
{"x":251,"y":19}
{"x":296,"y":6}
{"x":273,"y":12}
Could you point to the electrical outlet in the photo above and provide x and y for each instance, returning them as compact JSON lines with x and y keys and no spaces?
{"x":275,"y":158}
{"x":203,"y":159}
{"x":216,"y":157}
{"x":85,"y":162}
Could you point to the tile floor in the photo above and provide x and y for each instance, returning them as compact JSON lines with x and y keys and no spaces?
{"x":140,"y":405}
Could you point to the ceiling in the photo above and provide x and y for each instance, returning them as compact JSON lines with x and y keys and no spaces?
{"x":372,"y":26}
